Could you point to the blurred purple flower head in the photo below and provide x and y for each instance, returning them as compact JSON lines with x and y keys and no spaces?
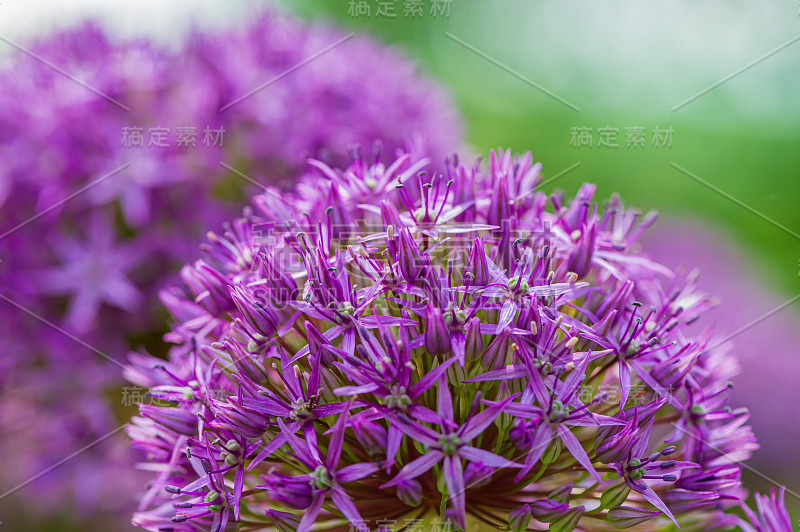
{"x":768,"y":370}
{"x":108,"y":183}
{"x":341,"y":359}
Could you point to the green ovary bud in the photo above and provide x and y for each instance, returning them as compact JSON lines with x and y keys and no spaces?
{"x":634,"y":471}
{"x":398,"y":399}
{"x":346,"y":309}
{"x":558,"y":411}
{"x":321,"y":479}
{"x":302,"y":411}
{"x":449,"y":444}
{"x":252,"y":346}
{"x":633,"y":347}
{"x":521,"y":286}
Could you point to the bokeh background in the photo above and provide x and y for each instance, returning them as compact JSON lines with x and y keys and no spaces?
{"x":701,"y":99}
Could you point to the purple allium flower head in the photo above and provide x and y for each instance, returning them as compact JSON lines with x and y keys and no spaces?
{"x":433,"y":353}
{"x":105,"y":192}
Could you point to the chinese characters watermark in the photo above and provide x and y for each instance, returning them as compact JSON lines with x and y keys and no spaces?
{"x":159,"y":137}
{"x":632,"y":137}
{"x":611,"y":394}
{"x":407,"y":525}
{"x":411,"y":9}
{"x":136,"y":395}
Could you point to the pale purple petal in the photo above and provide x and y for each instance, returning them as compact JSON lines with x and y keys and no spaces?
{"x":575,"y":448}
{"x":454,"y":479}
{"x":416,"y":468}
{"x":473,"y":454}
{"x":355,"y":472}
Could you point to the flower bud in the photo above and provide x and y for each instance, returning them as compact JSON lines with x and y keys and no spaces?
{"x":580,"y":260}
{"x":561,"y":494}
{"x":283,"y":521}
{"x":477,"y":475}
{"x":519,"y":519}
{"x":174,"y":418}
{"x":371,"y":436}
{"x":615,"y":496}
{"x":410,"y":257}
{"x":293,"y":492}
{"x":626,"y":516}
{"x":478,"y":266}
{"x":546,"y":510}
{"x":437,"y":336}
{"x":410,"y":492}
{"x":680,"y":500}
{"x":568,"y":521}
{"x":496,"y":351}
{"x":614,"y":443}
{"x":247,"y":365}
{"x":474,"y":348}
{"x":257,"y":315}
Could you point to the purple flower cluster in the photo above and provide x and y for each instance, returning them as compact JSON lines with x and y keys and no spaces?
{"x":94,"y":225}
{"x":771,"y":516}
{"x":725,"y":272}
{"x":386,"y":343}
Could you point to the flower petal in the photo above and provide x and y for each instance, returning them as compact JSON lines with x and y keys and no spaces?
{"x":575,"y":448}
{"x":416,"y":468}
